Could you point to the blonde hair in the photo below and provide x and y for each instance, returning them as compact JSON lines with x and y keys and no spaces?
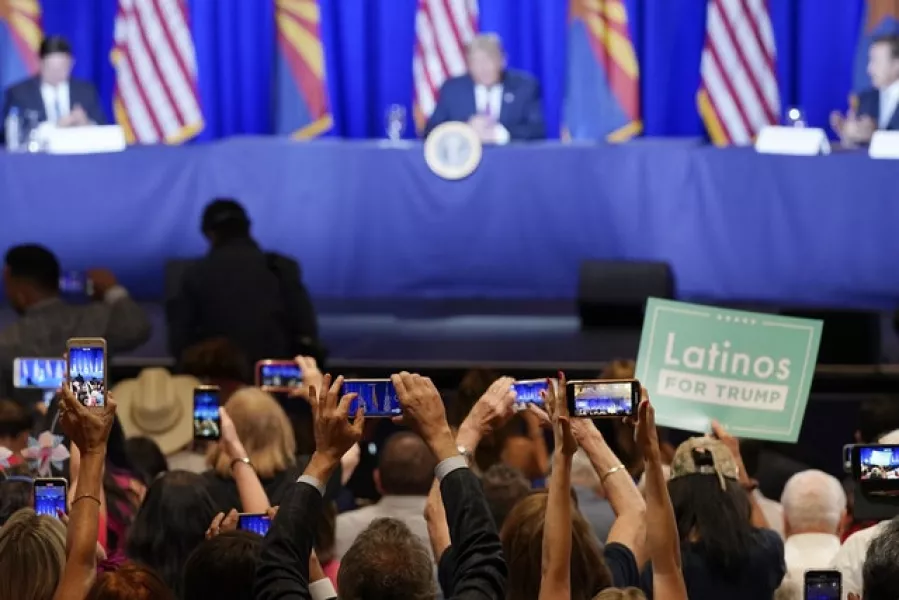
{"x":630,"y":593}
{"x":490,"y":43}
{"x":265,"y":431}
{"x":32,"y":556}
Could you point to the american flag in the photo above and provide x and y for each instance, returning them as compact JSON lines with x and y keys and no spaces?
{"x":738,"y":94}
{"x":443,"y":28}
{"x":156,"y":96}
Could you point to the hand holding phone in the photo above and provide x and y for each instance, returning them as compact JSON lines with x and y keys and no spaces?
{"x":278,"y":375}
{"x":86,"y":368}
{"x":207,"y":415}
{"x":598,"y":398}
{"x":528,"y":391}
{"x":49,"y":496}
{"x":377,"y":396}
{"x":255,"y":522}
{"x":823,"y":585}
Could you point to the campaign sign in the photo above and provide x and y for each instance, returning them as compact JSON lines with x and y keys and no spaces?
{"x":749,"y":371}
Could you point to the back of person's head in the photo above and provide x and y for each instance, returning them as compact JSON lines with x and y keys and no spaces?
{"x":405,"y":466}
{"x":146,"y":457}
{"x":504,"y":487}
{"x":813,"y":502}
{"x":386,"y":562}
{"x":621,"y":594}
{"x":880,"y":573}
{"x":711,"y":508}
{"x":16,"y":424}
{"x":877,"y":416}
{"x":522,"y":539}
{"x":131,"y":581}
{"x":216,"y":360}
{"x":223,"y":567}
{"x":582,"y":472}
{"x":619,"y":369}
{"x":263,"y":429}
{"x":225,"y":219}
{"x":15,"y":494}
{"x":171,"y":522}
{"x":54,"y":44}
{"x":32,"y":556}
{"x":35,"y":265}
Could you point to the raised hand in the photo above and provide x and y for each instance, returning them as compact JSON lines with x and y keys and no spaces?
{"x":334,"y":434}
{"x":221,"y":523}
{"x":312,"y":377}
{"x":646,"y":434}
{"x":88,"y":428}
{"x":423,"y":411}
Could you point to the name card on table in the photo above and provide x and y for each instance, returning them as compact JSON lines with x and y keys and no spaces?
{"x":884,"y":144}
{"x":93,"y":139}
{"x":749,"y":371}
{"x":795,"y":141}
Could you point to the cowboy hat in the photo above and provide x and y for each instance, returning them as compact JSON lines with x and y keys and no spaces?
{"x":158,"y":405}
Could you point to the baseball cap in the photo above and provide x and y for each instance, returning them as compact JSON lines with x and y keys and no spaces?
{"x":704,"y":456}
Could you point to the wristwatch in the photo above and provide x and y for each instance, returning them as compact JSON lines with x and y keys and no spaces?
{"x":466,"y":454}
{"x":245,"y":460}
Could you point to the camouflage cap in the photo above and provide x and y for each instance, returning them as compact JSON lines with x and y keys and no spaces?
{"x":721,"y":462}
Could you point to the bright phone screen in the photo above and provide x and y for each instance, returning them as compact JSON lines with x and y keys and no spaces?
{"x":255,"y":523}
{"x":377,"y":395}
{"x":207,"y":419}
{"x":528,"y":392}
{"x":603,"y":399}
{"x":49,"y":498}
{"x":39,"y":373}
{"x":280,"y":375}
{"x":87,"y":375}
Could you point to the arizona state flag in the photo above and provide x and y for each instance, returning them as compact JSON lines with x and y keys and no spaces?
{"x":302,"y":92}
{"x":20,"y":38}
{"x":602,"y":94}
{"x":881,"y":18}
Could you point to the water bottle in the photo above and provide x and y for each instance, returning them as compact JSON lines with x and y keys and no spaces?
{"x":12,"y":131}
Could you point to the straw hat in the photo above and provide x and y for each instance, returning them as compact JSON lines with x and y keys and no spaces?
{"x":158,"y":405}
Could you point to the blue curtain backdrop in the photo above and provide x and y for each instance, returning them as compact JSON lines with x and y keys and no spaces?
{"x":368,"y":51}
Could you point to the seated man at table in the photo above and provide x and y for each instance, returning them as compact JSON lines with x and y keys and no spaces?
{"x":499,"y":103}
{"x":53,"y":94}
{"x":876,"y":108}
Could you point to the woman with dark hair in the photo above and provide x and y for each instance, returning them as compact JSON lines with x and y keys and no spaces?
{"x":728,"y":551}
{"x":170,"y":524}
{"x":147,"y":458}
{"x":130,"y":582}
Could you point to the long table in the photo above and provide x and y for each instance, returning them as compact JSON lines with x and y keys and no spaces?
{"x":367,"y":220}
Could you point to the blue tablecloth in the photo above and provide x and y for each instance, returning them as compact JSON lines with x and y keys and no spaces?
{"x":365,"y":220}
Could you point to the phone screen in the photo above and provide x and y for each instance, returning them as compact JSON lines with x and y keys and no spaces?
{"x":39,"y":373}
{"x":257,"y":523}
{"x":823,"y":585}
{"x":49,"y":497}
{"x":528,"y":392}
{"x":75,"y":283}
{"x":600,"y":398}
{"x":377,"y":395}
{"x":278,"y":375}
{"x":207,"y":420}
{"x":87,"y":374}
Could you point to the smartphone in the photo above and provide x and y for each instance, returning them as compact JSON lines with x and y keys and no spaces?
{"x":255,"y":522}
{"x":50,"y":496}
{"x":876,"y":468}
{"x":278,"y":375}
{"x":39,"y":373}
{"x":847,"y":458}
{"x":528,"y":391}
{"x":86,"y":367}
{"x":207,"y":418}
{"x":603,"y":397}
{"x":75,"y":283}
{"x":823,"y":585}
{"x":378,"y":396}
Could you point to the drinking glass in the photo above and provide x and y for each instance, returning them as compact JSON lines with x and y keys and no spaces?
{"x":395,"y":119}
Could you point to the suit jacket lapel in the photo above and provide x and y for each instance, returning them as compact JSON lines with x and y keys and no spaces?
{"x":34,"y":90}
{"x":508,"y":98}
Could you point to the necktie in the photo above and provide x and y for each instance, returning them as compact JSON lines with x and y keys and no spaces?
{"x":488,"y":108}
{"x":57,"y":105}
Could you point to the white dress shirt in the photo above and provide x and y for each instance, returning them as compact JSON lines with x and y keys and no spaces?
{"x":773,"y":511}
{"x":489,"y":101}
{"x":889,"y":98}
{"x":850,"y":558}
{"x":803,"y":552}
{"x":57,"y":103}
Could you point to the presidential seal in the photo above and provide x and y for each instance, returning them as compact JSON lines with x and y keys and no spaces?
{"x":453,"y":150}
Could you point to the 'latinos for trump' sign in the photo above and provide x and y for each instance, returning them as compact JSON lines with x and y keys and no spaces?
{"x":750,"y":371}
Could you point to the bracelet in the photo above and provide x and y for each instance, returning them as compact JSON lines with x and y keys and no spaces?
{"x":611,"y":471}
{"x":83,"y":496}
{"x":245,"y":460}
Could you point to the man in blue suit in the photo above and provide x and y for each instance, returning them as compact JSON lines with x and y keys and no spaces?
{"x":53,"y":95}
{"x":500,"y":104}
{"x":876,"y":107}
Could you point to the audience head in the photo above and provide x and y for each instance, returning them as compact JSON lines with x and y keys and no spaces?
{"x":522,"y":539}
{"x":223,"y":567}
{"x":405,"y":466}
{"x":883,"y":61}
{"x":170,"y":524}
{"x":131,"y":581}
{"x":387,"y":562}
{"x":217,"y":361}
{"x":486,"y":59}
{"x":504,"y":487}
{"x":619,"y":594}
{"x":16,"y":424}
{"x":56,"y":60}
{"x":263,"y":429}
{"x":813,"y":502}
{"x":880,"y":573}
{"x":583,"y":474}
{"x":15,"y":494}
{"x":147,"y":458}
{"x":32,"y":556}
{"x":709,"y":505}
{"x":31,"y":274}
{"x":225,"y":219}
{"x":877,"y":417}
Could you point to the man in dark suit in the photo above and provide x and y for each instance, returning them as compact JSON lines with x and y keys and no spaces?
{"x":876,"y":107}
{"x":500,"y":104}
{"x":53,"y":94}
